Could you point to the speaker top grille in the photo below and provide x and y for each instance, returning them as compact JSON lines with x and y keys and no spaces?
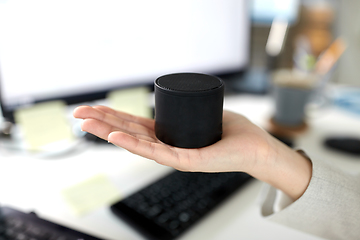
{"x":189,"y":82}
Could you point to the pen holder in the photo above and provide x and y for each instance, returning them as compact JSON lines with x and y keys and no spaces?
{"x":188,"y":109}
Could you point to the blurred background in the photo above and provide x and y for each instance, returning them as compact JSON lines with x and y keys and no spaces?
{"x":79,"y":52}
{"x":321,"y":22}
{"x":56,"y":55}
{"x":82,"y":51}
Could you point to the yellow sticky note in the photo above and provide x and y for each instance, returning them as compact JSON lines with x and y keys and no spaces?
{"x":91,"y":194}
{"x":134,"y":101}
{"x":44,"y":123}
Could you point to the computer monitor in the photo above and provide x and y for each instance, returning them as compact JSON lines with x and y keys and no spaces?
{"x":78,"y":50}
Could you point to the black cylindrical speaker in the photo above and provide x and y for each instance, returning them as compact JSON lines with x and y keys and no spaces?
{"x":188,"y":109}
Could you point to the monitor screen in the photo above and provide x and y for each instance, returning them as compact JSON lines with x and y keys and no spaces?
{"x":80,"y":49}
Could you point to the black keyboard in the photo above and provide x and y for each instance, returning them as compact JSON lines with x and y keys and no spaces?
{"x":168,"y":207}
{"x":17,"y":225}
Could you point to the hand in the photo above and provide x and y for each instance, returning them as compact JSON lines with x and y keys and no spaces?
{"x":243,"y":147}
{"x":242,"y":143}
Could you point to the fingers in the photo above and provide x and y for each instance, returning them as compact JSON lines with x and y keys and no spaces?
{"x":149,"y":123}
{"x":102,"y":130}
{"x":112,"y":122}
{"x":157,"y":151}
{"x":97,"y":128}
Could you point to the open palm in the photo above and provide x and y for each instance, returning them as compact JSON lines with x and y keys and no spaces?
{"x":242,"y":145}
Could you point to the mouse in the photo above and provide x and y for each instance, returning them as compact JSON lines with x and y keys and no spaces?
{"x":345,"y":144}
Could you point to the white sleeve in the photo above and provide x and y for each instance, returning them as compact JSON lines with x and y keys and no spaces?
{"x":273,"y":200}
{"x":329,"y":208}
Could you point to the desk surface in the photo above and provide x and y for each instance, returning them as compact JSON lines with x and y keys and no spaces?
{"x":30,"y":183}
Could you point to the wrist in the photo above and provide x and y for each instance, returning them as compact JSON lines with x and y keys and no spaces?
{"x":285,"y":169}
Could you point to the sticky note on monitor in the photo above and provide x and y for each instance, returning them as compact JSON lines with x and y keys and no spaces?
{"x":133,"y":100}
{"x":91,"y":194}
{"x":43,"y":123}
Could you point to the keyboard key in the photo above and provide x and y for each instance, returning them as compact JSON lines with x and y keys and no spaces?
{"x":184,"y":217}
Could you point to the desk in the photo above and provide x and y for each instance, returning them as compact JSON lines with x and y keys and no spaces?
{"x":34,"y":184}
